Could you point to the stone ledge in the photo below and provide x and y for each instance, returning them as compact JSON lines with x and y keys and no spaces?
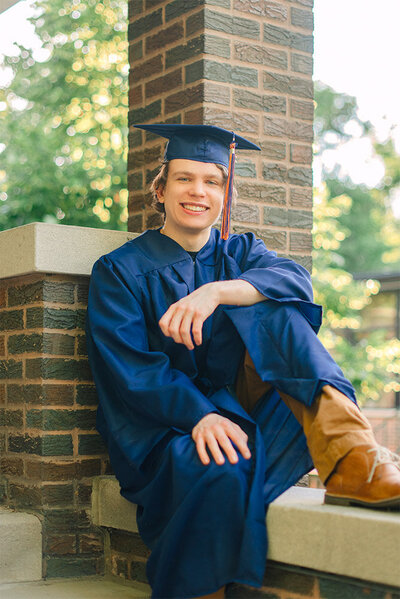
{"x":303,"y":531}
{"x":65,"y":249}
{"x":21,"y":547}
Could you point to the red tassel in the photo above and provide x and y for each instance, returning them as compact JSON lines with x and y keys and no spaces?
{"x":226,"y":212}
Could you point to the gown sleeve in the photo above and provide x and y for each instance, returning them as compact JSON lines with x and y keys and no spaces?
{"x":141,"y":396}
{"x":279,"y":279}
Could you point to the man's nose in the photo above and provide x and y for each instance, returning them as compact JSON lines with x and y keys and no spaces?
{"x":198,"y":187}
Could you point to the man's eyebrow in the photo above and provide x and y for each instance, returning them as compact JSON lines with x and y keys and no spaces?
{"x":209,"y":175}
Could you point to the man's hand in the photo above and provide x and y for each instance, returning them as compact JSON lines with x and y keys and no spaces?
{"x":216,"y":432}
{"x":186,"y":316}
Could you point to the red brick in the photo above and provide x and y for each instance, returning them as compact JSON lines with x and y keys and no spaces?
{"x":268,"y":57}
{"x":300,"y":131}
{"x":275,"y":240}
{"x":91,"y":543}
{"x":300,"y":154}
{"x":50,"y":471}
{"x":184,"y":99}
{"x":274,"y":171}
{"x":302,"y":18}
{"x":2,"y":346}
{"x":145,"y":69}
{"x":2,"y":394}
{"x":135,"y":223}
{"x":274,"y":195}
{"x":194,"y":117}
{"x":128,"y":542}
{"x":24,"y":496}
{"x":135,"y":51}
{"x":275,"y":127}
{"x":12,"y":466}
{"x":136,"y":95}
{"x":242,"y":122}
{"x":144,"y":157}
{"x":273,"y":11}
{"x":274,"y":149}
{"x":300,"y":242}
{"x":248,"y":213}
{"x":137,"y":202}
{"x":300,"y":109}
{"x":3,"y":297}
{"x":89,"y":467}
{"x":164,"y":83}
{"x":153,"y":220}
{"x":164,"y":38}
{"x":58,"y":495}
{"x":301,"y":63}
{"x":61,"y":544}
{"x":84,"y":492}
{"x":300,"y":197}
{"x":219,"y":94}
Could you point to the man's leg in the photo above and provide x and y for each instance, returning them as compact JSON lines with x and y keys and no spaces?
{"x":335,"y":428}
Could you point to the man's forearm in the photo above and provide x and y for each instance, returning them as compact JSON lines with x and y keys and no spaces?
{"x":237,"y":293}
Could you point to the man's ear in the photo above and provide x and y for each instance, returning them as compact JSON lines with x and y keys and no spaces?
{"x":160,"y":193}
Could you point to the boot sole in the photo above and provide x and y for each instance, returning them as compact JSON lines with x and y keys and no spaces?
{"x":385,"y":504}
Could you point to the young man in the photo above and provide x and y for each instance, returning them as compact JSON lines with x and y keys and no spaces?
{"x":215,"y":394}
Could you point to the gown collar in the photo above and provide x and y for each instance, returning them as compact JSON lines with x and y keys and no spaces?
{"x":164,"y":250}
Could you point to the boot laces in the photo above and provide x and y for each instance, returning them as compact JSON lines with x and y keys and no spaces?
{"x":383,"y":455}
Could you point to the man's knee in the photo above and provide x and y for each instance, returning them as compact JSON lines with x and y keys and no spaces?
{"x":227,"y":477}
{"x":230,"y":477}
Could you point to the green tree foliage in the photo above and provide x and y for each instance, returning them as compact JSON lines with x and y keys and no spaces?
{"x":364,"y":243}
{"x":333,"y":113}
{"x":64,"y":119}
{"x":354,"y":230}
{"x":370,"y":361}
{"x":390,"y":189}
{"x":370,"y":241}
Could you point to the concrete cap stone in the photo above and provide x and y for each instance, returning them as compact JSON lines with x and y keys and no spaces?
{"x":349,"y":541}
{"x":302,"y":530}
{"x":65,"y":249}
{"x":21,"y":547}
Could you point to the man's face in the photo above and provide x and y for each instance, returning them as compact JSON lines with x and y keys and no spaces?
{"x":193,"y":195}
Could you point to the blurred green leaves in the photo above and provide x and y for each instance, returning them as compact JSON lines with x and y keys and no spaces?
{"x":354,"y":231}
{"x":64,"y":119}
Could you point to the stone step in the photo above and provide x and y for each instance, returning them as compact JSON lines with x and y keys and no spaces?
{"x":94,"y":587}
{"x":20,"y":547}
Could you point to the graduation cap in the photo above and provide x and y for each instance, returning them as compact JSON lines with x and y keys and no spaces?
{"x":204,"y":143}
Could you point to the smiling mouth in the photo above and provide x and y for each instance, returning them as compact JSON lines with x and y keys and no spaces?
{"x":194,"y":207}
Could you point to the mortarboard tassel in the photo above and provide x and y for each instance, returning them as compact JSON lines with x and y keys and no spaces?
{"x":226,"y":212}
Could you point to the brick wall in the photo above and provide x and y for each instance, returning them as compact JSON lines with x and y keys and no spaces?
{"x":49,"y":447}
{"x":127,"y":556}
{"x":241,"y":64}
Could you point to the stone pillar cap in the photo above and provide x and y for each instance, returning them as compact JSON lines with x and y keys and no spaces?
{"x":52,"y":248}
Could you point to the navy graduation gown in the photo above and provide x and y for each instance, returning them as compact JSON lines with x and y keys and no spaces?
{"x":204,"y":524}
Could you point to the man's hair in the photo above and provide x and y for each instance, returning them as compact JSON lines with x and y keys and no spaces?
{"x":160,"y":180}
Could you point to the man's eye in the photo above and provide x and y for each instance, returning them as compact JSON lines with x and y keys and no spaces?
{"x":213,"y":182}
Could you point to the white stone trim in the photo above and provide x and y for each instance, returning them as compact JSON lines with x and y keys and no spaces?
{"x":48,"y":248}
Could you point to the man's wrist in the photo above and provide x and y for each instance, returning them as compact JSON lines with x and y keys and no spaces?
{"x":237,"y":292}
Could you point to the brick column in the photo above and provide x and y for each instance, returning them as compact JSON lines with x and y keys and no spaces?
{"x":50,"y":449}
{"x":240,"y":64}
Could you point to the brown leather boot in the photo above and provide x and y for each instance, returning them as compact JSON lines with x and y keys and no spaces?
{"x":367,"y":476}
